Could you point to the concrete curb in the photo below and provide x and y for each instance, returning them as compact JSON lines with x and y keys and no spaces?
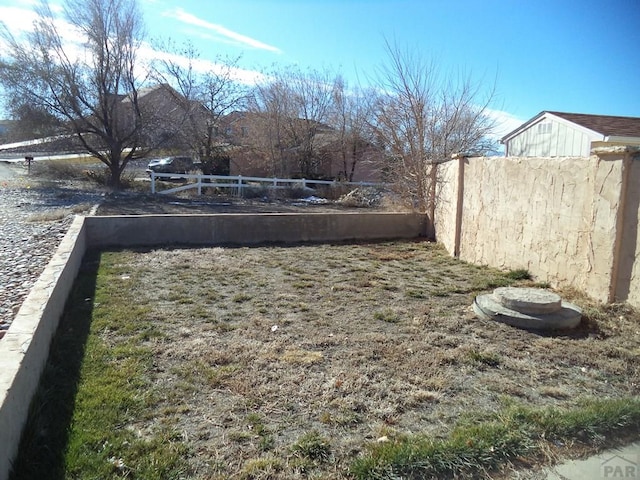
{"x":25,"y":347}
{"x":620,"y":463}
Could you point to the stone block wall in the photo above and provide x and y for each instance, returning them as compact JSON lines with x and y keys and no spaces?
{"x":569,"y":221}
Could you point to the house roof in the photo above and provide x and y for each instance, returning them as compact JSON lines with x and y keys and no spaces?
{"x":605,"y":125}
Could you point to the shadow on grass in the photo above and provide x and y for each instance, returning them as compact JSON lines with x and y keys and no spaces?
{"x":46,"y":433}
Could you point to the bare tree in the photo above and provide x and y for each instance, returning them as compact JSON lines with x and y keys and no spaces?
{"x":352,"y":117}
{"x":91,"y":86}
{"x":294,"y":107}
{"x":313,"y":94}
{"x":423,"y":117}
{"x":205,"y":97}
{"x":270,"y":108}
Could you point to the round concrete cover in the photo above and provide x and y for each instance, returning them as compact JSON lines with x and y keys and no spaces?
{"x":486,"y":307}
{"x":528,"y":300}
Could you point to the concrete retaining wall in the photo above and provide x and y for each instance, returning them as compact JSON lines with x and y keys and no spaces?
{"x":250,"y":229}
{"x":25,"y":347}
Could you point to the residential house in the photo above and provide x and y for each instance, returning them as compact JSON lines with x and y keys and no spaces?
{"x":260,"y":146}
{"x":171,"y":121}
{"x":559,"y":134}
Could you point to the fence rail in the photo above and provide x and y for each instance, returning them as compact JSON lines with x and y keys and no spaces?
{"x":237,"y":183}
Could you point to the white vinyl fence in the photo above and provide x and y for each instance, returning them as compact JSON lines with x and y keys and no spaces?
{"x":236,"y":184}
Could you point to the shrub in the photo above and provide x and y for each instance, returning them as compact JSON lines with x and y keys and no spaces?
{"x":58,"y":170}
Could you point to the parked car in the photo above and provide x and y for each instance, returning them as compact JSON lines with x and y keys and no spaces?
{"x":170,"y":165}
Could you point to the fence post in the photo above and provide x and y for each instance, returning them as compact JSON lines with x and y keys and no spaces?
{"x":239,"y":185}
{"x":199,"y":185}
{"x":153,"y":182}
{"x":29,"y":160}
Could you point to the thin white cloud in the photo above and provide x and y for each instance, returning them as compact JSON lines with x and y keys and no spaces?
{"x":505,"y":122}
{"x":17,"y":20}
{"x":210,"y":37}
{"x":190,"y":19}
{"x":240,"y":75}
{"x":20,"y":21}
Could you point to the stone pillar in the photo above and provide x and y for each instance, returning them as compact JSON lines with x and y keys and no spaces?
{"x":624,"y":254}
{"x":615,"y":221}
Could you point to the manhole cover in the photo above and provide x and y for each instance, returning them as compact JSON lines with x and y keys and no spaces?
{"x":528,"y":300}
{"x":528,"y":308}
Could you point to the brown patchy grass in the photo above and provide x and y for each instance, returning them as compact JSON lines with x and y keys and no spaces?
{"x":283,"y":362}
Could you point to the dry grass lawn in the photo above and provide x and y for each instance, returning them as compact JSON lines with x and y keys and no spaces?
{"x":283,"y":362}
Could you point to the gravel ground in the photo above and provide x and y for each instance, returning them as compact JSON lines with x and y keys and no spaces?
{"x":33,"y":220}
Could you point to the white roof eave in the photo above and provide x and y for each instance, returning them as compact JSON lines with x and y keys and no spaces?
{"x":522,"y":127}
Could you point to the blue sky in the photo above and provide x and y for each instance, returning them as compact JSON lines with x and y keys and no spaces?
{"x":576,"y":56}
{"x":567,"y":55}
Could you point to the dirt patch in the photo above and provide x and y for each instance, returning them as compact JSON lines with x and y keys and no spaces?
{"x":146,"y":204}
{"x":283,"y":362}
{"x":337,"y":198}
